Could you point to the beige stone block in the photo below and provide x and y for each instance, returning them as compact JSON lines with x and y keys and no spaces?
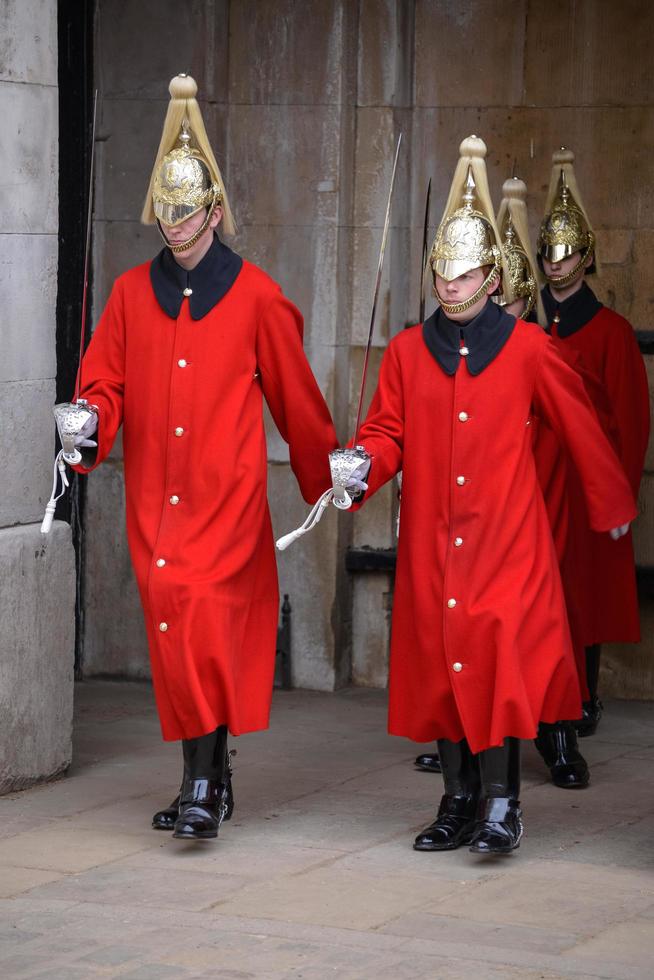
{"x":304,"y":261}
{"x":642,"y":309}
{"x":459,"y":48}
{"x":378,"y":130}
{"x":644,"y":523}
{"x":279,"y":54}
{"x":27,"y":446}
{"x":332,"y":897}
{"x":649,"y":458}
{"x":117,"y":247}
{"x":614,"y":245}
{"x":617,"y":193}
{"x":371,"y":620}
{"x":628,"y":668}
{"x":37,"y":641}
{"x":141,"y":46}
{"x":589,"y":54}
{"x":28,"y":313}
{"x":284,"y":163}
{"x":114,"y":633}
{"x":385,"y":55}
{"x":29,"y":198}
{"x":615,"y":288}
{"x":28,"y":50}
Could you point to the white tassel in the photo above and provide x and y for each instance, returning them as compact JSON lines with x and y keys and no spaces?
{"x":59,"y":470}
{"x":312,"y":519}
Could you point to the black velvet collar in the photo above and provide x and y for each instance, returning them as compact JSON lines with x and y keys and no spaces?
{"x":574,"y":312}
{"x":211,"y":279}
{"x":484,"y":337}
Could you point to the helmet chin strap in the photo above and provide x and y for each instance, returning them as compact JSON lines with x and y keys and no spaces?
{"x":569,"y":277}
{"x":468,"y":303}
{"x":190,"y":242}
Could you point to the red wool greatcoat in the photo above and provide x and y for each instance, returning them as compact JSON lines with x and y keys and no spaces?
{"x":480,"y":641}
{"x":555,"y":471}
{"x":189,"y":394}
{"x":602,"y":579}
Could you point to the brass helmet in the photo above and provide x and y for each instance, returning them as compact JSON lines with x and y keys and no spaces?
{"x":565,"y":229}
{"x":182,"y":184}
{"x":521,"y":265}
{"x":186,"y":176}
{"x":467,"y":237}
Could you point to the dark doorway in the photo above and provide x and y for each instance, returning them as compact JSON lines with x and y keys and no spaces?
{"x":75,"y":46}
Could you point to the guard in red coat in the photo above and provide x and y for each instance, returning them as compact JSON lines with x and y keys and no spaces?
{"x":480,"y":647}
{"x":185,"y":353}
{"x":601,"y":584}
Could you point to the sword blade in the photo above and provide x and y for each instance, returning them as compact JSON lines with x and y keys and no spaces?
{"x":87,"y":250}
{"x":380,"y":264}
{"x":425,"y":245}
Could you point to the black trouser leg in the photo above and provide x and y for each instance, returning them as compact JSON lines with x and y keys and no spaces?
{"x":499,"y":818}
{"x":499,"y":769}
{"x":455,"y":818}
{"x":459,"y":767}
{"x":203,"y":802}
{"x":592,"y":709}
{"x":593,"y":656}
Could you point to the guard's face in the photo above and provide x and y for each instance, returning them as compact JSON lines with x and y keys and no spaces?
{"x":462,"y":288}
{"x":186,"y":229}
{"x":517,"y":307}
{"x":564,"y":266}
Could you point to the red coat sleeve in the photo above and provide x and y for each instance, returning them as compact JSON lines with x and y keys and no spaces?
{"x":293,"y":396}
{"x":103,"y":376}
{"x":560,"y":396}
{"x":626,"y":384}
{"x":382,"y":433}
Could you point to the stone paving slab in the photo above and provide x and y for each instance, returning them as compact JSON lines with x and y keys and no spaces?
{"x":315,"y":876}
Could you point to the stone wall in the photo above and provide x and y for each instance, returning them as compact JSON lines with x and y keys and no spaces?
{"x":37,"y":619}
{"x":303,"y":102}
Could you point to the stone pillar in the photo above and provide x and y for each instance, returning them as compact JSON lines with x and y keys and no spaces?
{"x":37,"y":618}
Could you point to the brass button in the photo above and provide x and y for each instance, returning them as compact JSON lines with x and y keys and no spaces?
{"x":179,"y":431}
{"x":457,"y":667}
{"x":458,"y":542}
{"x":557,"y":318}
{"x":161,"y":562}
{"x":188,"y":291}
{"x":463,"y":416}
{"x":181,"y":362}
{"x":174,"y":499}
{"x":451,"y":603}
{"x":163,"y":627}
{"x":460,"y":480}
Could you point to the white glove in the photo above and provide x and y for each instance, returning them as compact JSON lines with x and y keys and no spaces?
{"x":83,"y":437}
{"x":619,"y":532}
{"x":358,"y":476}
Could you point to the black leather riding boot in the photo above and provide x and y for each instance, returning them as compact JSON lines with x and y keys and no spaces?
{"x":165,"y":819}
{"x":455,"y":818}
{"x":428,"y":762}
{"x":558,"y":746}
{"x":499,"y":818}
{"x":592,"y":709}
{"x":202,"y":804}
